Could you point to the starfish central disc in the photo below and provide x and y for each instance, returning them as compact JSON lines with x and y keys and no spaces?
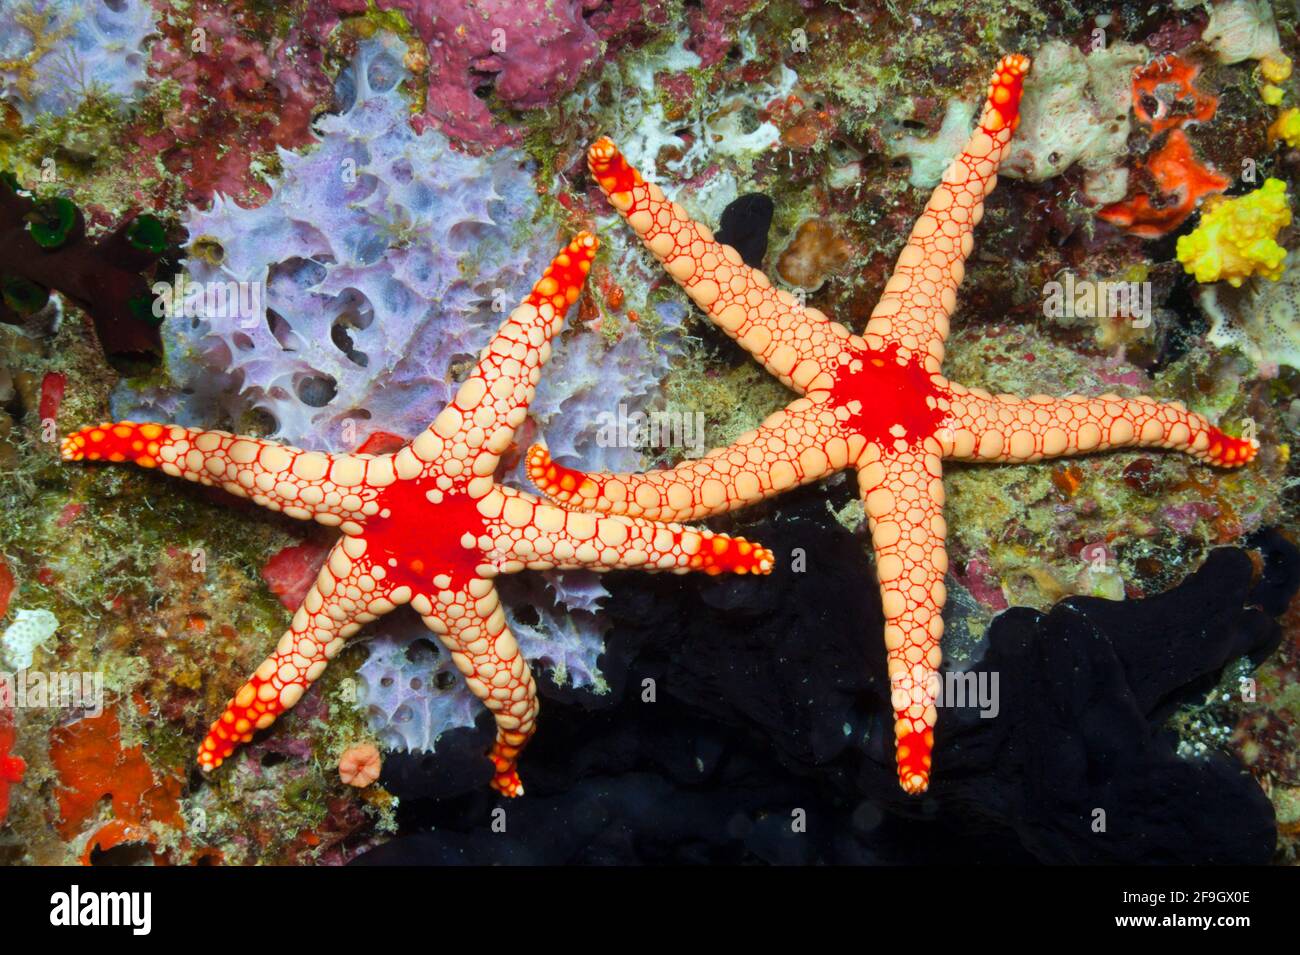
{"x":887,"y":398}
{"x":419,"y":535}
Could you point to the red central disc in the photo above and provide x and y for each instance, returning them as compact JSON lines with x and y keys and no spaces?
{"x":423,"y":537}
{"x":884,"y":393}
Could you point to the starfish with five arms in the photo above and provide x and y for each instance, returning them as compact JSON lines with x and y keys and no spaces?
{"x":427,"y":525}
{"x":876,"y":402}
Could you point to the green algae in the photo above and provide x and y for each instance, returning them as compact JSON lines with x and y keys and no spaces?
{"x":734,"y":400}
{"x":79,"y":153}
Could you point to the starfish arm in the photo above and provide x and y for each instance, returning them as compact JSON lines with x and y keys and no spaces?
{"x":522,"y":532}
{"x":798,"y":445}
{"x":796,"y":344}
{"x":479,"y":423}
{"x":347,"y":594}
{"x":921,"y":294}
{"x":470,"y":622}
{"x":903,"y":493}
{"x":330,"y":488}
{"x":983,"y":427}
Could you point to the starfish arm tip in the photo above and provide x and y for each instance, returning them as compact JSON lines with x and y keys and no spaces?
{"x":560,"y":484}
{"x":720,"y":554}
{"x":508,"y":785}
{"x":913,"y":750}
{"x":1005,"y":91}
{"x":1225,"y":451}
{"x":615,"y":176}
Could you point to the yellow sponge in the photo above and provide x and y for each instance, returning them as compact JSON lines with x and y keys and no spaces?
{"x":1236,"y":237}
{"x":1286,"y":127}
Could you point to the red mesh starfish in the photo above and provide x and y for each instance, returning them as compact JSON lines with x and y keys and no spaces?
{"x":428,"y":525}
{"x":876,"y":402}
